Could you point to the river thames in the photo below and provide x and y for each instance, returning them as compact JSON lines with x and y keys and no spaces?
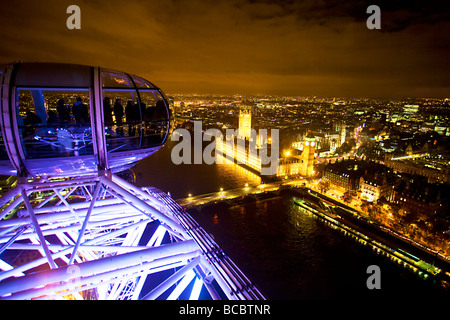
{"x":287,"y":252}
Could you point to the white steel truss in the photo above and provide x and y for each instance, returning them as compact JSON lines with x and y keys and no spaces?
{"x":103,"y":238}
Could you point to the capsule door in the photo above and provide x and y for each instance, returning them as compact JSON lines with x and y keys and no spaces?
{"x":54,"y":130}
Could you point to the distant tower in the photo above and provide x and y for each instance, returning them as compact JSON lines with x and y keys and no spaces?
{"x":409,"y":150}
{"x":245,"y":123}
{"x":307,"y":157}
{"x":339,"y":127}
{"x":342,"y":132}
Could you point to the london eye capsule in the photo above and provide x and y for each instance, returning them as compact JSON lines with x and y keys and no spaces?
{"x":70,"y":120}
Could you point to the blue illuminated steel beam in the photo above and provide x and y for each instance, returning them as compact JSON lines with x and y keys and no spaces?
{"x":117,"y":238}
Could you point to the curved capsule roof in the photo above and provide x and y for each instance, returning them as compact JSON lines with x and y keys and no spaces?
{"x":66,"y":119}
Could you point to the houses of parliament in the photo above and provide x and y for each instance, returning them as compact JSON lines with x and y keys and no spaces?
{"x":289,"y":164}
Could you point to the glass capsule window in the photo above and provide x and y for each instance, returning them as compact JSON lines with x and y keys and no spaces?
{"x":122,"y":118}
{"x":135,"y":113}
{"x":115,"y":79}
{"x":134,"y":121}
{"x":153,"y":106}
{"x":155,"y":118}
{"x":142,"y":83}
{"x":54,"y":122}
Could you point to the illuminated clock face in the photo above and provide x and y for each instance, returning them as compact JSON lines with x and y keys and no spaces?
{"x":312,"y":144}
{"x":306,"y":143}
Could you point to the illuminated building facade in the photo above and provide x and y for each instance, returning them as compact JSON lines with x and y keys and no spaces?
{"x":345,"y":180}
{"x":239,"y":150}
{"x":289,"y":166}
{"x":374,"y":186}
{"x":435,"y":169}
{"x":410,"y":109}
{"x":245,"y":123}
{"x":307,"y":157}
{"x":346,"y":174}
{"x":339,"y":127}
{"x":241,"y":147}
{"x":427,"y":199}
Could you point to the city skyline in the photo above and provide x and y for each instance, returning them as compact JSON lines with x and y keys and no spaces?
{"x":375,"y":169}
{"x":263,"y":47}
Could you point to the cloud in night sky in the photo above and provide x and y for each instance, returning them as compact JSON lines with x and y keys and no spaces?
{"x":283,"y":47}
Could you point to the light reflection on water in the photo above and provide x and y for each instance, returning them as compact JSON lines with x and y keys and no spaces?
{"x":288,"y":254}
{"x":180,"y":180}
{"x":291,"y":254}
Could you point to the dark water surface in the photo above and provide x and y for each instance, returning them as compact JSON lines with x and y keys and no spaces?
{"x":292,"y":254}
{"x":287,"y":252}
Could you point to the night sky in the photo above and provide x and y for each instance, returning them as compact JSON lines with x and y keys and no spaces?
{"x":248,"y":47}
